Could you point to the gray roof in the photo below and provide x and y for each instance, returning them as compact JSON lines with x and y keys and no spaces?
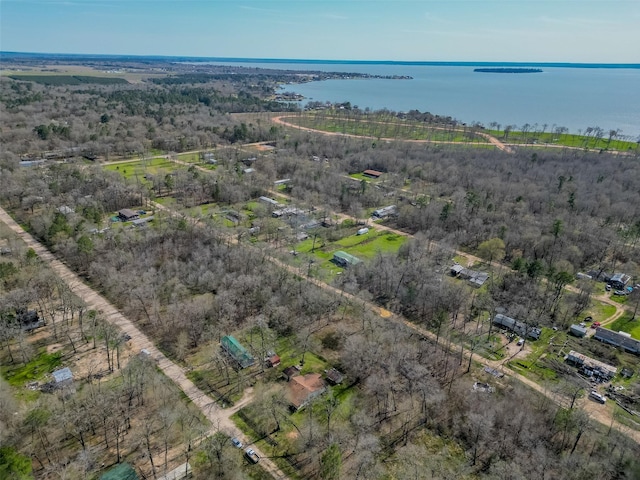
{"x":619,"y":339}
{"x":62,"y":375}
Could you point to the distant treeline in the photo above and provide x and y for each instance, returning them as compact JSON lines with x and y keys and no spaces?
{"x":68,"y":79}
{"x":507,"y":70}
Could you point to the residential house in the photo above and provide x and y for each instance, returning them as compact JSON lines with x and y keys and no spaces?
{"x":475,"y":277}
{"x":591,"y":367}
{"x":619,"y":281}
{"x":516,"y":327}
{"x":385,"y":212}
{"x":343,"y":259}
{"x":618,"y":339}
{"x":302,"y":389}
{"x":127,"y":215}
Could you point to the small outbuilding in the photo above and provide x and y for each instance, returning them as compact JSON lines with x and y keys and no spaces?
{"x":273,"y":360}
{"x":578,"y":331}
{"x":63,"y":377}
{"x":334,"y":377}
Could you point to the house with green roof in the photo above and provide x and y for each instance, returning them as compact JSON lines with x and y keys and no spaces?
{"x":344,"y":259}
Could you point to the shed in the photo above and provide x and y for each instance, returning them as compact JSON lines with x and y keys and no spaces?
{"x":578,"y":331}
{"x":343,"y":259}
{"x":273,"y":360}
{"x":456,"y":269}
{"x":63,"y":376}
{"x":372,"y":173}
{"x":334,"y":377}
{"x":291,"y":372}
{"x":237,"y":351}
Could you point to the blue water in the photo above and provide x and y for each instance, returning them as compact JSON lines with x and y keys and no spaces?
{"x":571,"y":97}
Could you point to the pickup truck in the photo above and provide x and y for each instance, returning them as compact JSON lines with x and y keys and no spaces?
{"x":251,"y":455}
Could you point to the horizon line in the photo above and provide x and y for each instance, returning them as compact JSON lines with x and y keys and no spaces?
{"x":331,"y":62}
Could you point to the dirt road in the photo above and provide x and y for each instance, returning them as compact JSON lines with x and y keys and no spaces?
{"x":220,"y":419}
{"x":493,"y":140}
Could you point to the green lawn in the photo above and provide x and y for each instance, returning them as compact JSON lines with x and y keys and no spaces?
{"x":600,"y":311}
{"x":365,"y":247}
{"x":139,"y":168}
{"x":35,"y":370}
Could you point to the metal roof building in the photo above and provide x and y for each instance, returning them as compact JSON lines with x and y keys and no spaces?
{"x":237,"y":351}
{"x":63,"y":375}
{"x":345,"y":259}
{"x":618,"y":339}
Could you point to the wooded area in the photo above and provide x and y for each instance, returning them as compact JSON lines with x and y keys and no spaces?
{"x":196,"y":157}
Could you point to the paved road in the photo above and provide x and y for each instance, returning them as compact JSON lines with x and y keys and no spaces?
{"x":219,"y":418}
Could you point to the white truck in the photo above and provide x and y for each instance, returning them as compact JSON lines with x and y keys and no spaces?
{"x":251,"y":455}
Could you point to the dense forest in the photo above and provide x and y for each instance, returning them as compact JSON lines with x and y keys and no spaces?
{"x":215,"y":261}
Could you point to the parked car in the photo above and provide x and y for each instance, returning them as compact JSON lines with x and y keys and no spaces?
{"x":520,"y":342}
{"x":236,"y":443}
{"x":608,"y":288}
{"x":252,"y":455}
{"x":597,"y":397}
{"x":620,"y":292}
{"x":595,"y":325}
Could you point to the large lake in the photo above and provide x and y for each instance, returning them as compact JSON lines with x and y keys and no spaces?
{"x":575,"y":98}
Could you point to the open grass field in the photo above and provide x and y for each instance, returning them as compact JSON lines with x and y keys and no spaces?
{"x":565,"y":139}
{"x":37,"y":369}
{"x":600,"y":311}
{"x":68,"y":79}
{"x":383,"y":127}
{"x":128,"y":75}
{"x":365,"y":247}
{"x":137,"y":169}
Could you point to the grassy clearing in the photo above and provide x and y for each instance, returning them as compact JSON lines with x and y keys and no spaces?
{"x":600,"y":311}
{"x":35,"y":370}
{"x":139,"y":169}
{"x":378,"y":126}
{"x":565,"y":139}
{"x":365,"y":247}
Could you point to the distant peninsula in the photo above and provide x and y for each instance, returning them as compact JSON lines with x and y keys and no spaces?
{"x":507,"y":70}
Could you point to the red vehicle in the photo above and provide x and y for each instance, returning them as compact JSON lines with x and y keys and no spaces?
{"x":595,"y":325}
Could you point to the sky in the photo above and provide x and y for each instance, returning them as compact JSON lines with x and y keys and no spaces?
{"x":590,"y":31}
